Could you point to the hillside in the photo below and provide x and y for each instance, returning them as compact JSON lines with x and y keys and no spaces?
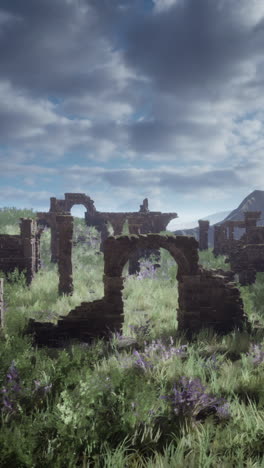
{"x":253,"y":202}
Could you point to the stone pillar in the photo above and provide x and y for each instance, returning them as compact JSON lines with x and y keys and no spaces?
{"x":27,"y":233}
{"x":203,"y":234}
{"x":53,"y":204}
{"x":53,"y":242}
{"x":37,"y":250}
{"x":2,"y":318}
{"x":113,"y":286}
{"x":64,"y":239}
{"x":144,"y":206}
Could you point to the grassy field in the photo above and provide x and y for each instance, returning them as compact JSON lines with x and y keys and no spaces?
{"x":172,"y":403}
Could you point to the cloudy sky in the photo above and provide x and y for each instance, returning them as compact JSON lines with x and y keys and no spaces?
{"x":127,"y":99}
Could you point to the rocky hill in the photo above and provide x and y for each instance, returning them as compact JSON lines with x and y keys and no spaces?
{"x":253,"y":202}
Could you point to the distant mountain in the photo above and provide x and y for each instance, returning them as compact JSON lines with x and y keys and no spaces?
{"x":253,"y":202}
{"x":181,"y":226}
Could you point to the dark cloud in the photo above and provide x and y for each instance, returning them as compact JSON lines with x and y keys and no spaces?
{"x":176,"y":182}
{"x":51,"y":47}
{"x":194,"y":44}
{"x":189,"y":72}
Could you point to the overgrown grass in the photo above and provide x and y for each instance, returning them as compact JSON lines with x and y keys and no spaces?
{"x":170,"y":403}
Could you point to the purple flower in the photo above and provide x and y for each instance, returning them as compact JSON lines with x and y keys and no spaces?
{"x":211,"y":362}
{"x":257,"y":354}
{"x":12,"y":372}
{"x":190,"y":399}
{"x":141,"y":362}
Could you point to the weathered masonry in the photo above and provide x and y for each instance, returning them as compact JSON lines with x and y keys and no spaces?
{"x":2,"y":317}
{"x":203,"y":234}
{"x":224,"y":241}
{"x":21,"y":251}
{"x":206,"y":298}
{"x":62,"y":207}
{"x":246,"y":255}
{"x":143,"y":221}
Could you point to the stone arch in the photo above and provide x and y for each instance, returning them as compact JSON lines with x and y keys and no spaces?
{"x":206,"y":298}
{"x":117,"y":251}
{"x":71,"y":199}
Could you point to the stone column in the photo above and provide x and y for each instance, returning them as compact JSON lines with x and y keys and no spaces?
{"x":64,"y":240}
{"x":113,"y":286}
{"x":144,"y":206}
{"x":203,"y":234}
{"x":2,"y":318}
{"x":27,"y":233}
{"x":53,"y":242}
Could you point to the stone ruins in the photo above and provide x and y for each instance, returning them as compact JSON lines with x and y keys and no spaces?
{"x":143,"y":221}
{"x":203,"y":234}
{"x":206,"y":298}
{"x":246,"y":255}
{"x":2,"y":317}
{"x":21,"y":251}
{"x":224,"y":241}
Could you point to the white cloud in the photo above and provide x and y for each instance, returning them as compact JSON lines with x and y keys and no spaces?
{"x":163,"y":5}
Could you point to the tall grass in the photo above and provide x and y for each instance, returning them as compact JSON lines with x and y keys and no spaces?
{"x":167,"y":402}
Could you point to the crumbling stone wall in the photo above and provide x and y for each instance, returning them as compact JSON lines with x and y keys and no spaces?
{"x":143,"y":221}
{"x":21,"y":251}
{"x":2,"y":318}
{"x":210,"y":300}
{"x":246,"y":261}
{"x":71,"y":199}
{"x":206,"y":299}
{"x":224,"y":241}
{"x":63,"y":207}
{"x":64,"y":240}
{"x":203,"y":234}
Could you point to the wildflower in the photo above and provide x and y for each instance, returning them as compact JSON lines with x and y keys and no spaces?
{"x":190,"y":399}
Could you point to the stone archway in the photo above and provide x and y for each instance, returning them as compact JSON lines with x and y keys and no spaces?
{"x":206,"y":298}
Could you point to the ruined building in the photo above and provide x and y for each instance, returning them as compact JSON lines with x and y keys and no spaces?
{"x":206,"y":298}
{"x":143,"y":221}
{"x":246,"y":255}
{"x":224,"y":241}
{"x":21,"y":251}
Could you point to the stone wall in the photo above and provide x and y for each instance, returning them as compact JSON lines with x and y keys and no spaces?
{"x":143,"y":221}
{"x":64,"y":241}
{"x":2,"y":317}
{"x":246,"y":261}
{"x":224,"y":241}
{"x":21,"y":251}
{"x":206,"y":298}
{"x":203,"y":234}
{"x":246,"y":255}
{"x":210,"y":300}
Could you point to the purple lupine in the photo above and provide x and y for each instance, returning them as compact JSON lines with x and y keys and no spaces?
{"x":141,"y":361}
{"x":13,"y":391}
{"x":142,"y":330}
{"x":162,"y":351}
{"x":256,"y":353}
{"x":191,"y":398}
{"x":148,"y":271}
{"x":211,"y":362}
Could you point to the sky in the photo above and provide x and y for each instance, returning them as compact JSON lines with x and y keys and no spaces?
{"x":130,"y":99}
